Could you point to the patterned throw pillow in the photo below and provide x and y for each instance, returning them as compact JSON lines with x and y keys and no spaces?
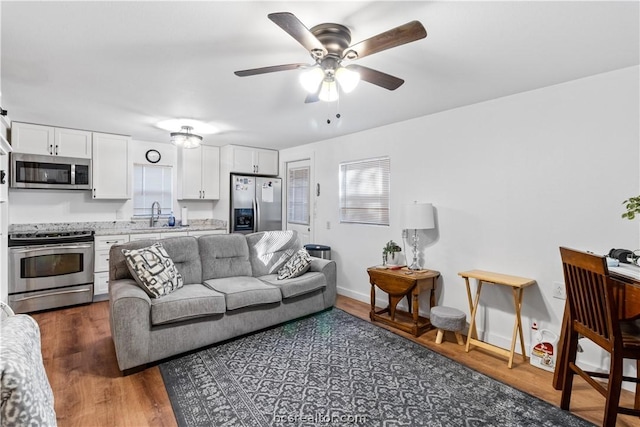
{"x":153,"y":270}
{"x":296,"y":266}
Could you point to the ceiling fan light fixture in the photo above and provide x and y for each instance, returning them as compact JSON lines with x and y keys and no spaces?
{"x":311,"y":79}
{"x":185,"y":138}
{"x":328,"y":91}
{"x":347,"y":79}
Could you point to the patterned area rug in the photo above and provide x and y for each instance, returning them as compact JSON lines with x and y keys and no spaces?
{"x":333,"y":369}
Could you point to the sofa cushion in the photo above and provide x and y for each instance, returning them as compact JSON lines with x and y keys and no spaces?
{"x":153,"y":270}
{"x":186,"y":303}
{"x":224,"y":255}
{"x":306,"y":283}
{"x":185,"y":254}
{"x":183,"y":251}
{"x":296,"y":266}
{"x":244,"y":291}
{"x":270,"y":250}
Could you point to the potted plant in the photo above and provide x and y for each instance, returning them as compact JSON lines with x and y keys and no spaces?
{"x":389,"y":252}
{"x":632,"y":204}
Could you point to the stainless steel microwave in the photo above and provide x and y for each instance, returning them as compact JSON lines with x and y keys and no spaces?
{"x":40,"y":171}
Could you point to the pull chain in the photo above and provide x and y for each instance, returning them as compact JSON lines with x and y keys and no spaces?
{"x":337,"y":110}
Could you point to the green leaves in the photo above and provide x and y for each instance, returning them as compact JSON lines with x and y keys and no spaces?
{"x":632,"y":204}
{"x":391,"y":247}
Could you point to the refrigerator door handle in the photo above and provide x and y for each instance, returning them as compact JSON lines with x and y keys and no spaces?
{"x":256,"y":220}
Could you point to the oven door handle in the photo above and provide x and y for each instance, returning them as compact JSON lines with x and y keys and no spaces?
{"x":75,"y":291}
{"x":48,"y":248}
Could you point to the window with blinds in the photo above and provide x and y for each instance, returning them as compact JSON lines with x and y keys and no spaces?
{"x":298,"y":196}
{"x":364,"y":191}
{"x":152,"y":183}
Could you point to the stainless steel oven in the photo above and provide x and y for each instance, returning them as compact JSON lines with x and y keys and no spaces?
{"x":50,"y":270}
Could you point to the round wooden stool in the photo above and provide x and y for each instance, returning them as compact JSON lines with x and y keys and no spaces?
{"x":448,"y":319}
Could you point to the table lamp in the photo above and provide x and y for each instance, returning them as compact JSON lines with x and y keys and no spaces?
{"x":417,"y":216}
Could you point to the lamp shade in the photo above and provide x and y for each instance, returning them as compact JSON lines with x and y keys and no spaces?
{"x":347,"y":79}
{"x":311,"y":79}
{"x":328,"y":91}
{"x":418,"y":216}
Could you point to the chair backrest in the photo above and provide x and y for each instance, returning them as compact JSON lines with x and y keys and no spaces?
{"x":590,"y":296}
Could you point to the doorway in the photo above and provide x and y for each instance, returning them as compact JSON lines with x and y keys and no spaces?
{"x":299,"y":212}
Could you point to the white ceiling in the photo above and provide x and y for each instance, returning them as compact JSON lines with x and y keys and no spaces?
{"x":121,"y":67}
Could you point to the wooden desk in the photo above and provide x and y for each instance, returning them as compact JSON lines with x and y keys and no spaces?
{"x":399,"y":284}
{"x":517,"y":285}
{"x":628,"y":299}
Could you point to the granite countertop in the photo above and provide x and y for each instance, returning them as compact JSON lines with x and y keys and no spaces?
{"x":102,"y":228}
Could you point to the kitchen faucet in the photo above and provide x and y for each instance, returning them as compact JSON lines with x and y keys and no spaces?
{"x":153,"y":221}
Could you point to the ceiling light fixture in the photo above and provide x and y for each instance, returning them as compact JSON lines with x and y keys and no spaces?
{"x":348,"y":79}
{"x":185,"y":138}
{"x":326,"y":81}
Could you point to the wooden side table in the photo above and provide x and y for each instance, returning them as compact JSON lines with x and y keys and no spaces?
{"x":399,"y":284}
{"x":517,"y":285}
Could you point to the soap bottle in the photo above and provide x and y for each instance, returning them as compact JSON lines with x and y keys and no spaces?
{"x":172,"y":220}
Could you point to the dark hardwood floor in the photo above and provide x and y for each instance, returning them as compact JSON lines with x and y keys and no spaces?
{"x":89,"y":389}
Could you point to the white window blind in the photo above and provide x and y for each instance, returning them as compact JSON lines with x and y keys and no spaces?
{"x":298,"y":196}
{"x":152,"y":183}
{"x":364,"y":191}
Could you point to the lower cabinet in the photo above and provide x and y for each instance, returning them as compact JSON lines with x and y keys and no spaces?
{"x":143,"y":236}
{"x":102,"y":244}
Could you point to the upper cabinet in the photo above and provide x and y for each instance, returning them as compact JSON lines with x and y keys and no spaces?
{"x":111,"y":170}
{"x":199,"y":173}
{"x":47,"y":140}
{"x":251,"y":160}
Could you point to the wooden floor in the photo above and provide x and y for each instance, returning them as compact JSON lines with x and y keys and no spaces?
{"x":89,"y":389}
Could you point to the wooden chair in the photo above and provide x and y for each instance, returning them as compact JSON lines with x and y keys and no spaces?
{"x":593,"y":313}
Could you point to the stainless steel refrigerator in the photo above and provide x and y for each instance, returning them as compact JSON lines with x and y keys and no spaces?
{"x":256,"y":203}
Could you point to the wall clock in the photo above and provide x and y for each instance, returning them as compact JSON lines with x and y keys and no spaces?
{"x":153,"y":156}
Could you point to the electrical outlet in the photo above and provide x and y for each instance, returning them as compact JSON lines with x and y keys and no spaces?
{"x":328,"y":225}
{"x":405,"y":233}
{"x":559,"y":290}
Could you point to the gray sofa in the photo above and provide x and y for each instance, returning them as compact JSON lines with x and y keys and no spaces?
{"x":230,"y":288}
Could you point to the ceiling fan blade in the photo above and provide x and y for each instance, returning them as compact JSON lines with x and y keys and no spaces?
{"x":271,"y":69}
{"x":376,"y":77}
{"x":312,"y":97}
{"x":403,"y":34}
{"x":296,"y":29}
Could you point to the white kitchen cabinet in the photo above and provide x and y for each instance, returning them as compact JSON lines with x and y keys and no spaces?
{"x":111,"y":170}
{"x":5,"y":149}
{"x":144,"y":236}
{"x":102,"y":245}
{"x":199,"y":173}
{"x":100,"y":286}
{"x":72,"y":143}
{"x":50,"y":141}
{"x":4,"y":177}
{"x":252,"y":160}
{"x":173,"y":234}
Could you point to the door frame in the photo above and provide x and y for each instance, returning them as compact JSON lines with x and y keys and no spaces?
{"x":284,"y":166}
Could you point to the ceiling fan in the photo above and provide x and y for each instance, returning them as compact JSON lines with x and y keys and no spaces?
{"x":330,"y":45}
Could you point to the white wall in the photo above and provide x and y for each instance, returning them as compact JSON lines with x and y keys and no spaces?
{"x":511,"y":180}
{"x":46,"y":206}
